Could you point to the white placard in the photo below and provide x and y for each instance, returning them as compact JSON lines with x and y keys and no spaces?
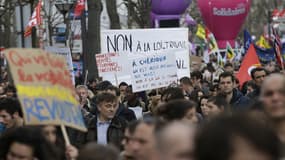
{"x":148,"y":41}
{"x":153,"y":71}
{"x":183,"y":64}
{"x":112,"y":63}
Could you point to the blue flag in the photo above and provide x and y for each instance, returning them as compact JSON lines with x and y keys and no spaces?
{"x":265,"y":55}
{"x":247,"y":40}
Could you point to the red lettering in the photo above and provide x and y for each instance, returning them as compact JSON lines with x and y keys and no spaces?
{"x":112,"y":54}
{"x":41,"y":76}
{"x":40,"y":60}
{"x":60,"y":78}
{"x":23,"y":77}
{"x":53,"y":77}
{"x":57,"y":63}
{"x":16,"y":59}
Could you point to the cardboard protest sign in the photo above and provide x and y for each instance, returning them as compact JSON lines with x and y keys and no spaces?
{"x":148,"y":41}
{"x":44,"y":88}
{"x":112,"y":63}
{"x":153,"y":71}
{"x":182,"y":63}
{"x":65,"y":52}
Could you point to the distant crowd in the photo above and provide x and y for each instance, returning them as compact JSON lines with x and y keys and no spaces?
{"x":206,"y":116}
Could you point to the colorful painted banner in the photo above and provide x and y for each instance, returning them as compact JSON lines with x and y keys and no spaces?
{"x":153,"y":71}
{"x":44,"y":88}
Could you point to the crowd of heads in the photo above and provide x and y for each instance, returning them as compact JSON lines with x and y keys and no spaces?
{"x":207,"y":116}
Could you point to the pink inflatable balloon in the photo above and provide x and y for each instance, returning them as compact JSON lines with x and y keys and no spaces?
{"x":224,"y":18}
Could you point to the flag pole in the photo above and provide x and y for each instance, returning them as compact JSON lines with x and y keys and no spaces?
{"x":40,"y":31}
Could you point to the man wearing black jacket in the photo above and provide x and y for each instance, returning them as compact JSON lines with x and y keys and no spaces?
{"x":233,"y":96}
{"x":104,"y":127}
{"x":122,"y":110}
{"x":257,"y":75}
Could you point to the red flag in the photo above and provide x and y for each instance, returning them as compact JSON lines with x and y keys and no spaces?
{"x":275,"y":13}
{"x":35,"y":19}
{"x":208,"y":32}
{"x":249,"y":62}
{"x":80,"y":6}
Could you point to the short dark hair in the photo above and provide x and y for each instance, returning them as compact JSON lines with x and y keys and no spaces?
{"x":219,"y":101}
{"x":258,"y":69}
{"x":114,"y":88}
{"x":228,"y":65}
{"x":227,"y":74}
{"x":102,"y":86}
{"x":11,"y":106}
{"x":11,"y":88}
{"x":93,"y":151}
{"x":172,"y":93}
{"x":186,"y":80}
{"x":153,"y":93}
{"x":214,"y":140}
{"x":132,"y":126}
{"x":213,"y":87}
{"x":197,"y":74}
{"x":175,"y":110}
{"x":105,"y":97}
{"x":252,"y":84}
{"x":123,"y":84}
{"x":30,"y":136}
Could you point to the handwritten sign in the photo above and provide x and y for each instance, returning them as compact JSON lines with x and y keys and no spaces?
{"x":182,"y":63}
{"x":148,"y":41}
{"x":153,"y":71}
{"x":112,"y":63}
{"x":44,"y":88}
{"x":65,"y":52}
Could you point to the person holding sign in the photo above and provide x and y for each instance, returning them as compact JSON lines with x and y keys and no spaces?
{"x":53,"y":135}
{"x":104,"y":127}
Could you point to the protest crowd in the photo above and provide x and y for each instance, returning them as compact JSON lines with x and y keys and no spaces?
{"x":198,"y":118}
{"x":169,"y":103}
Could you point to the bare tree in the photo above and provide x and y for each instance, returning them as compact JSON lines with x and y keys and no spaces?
{"x":93,"y":37}
{"x":6,"y":23}
{"x":138,"y":13}
{"x":113,"y":14}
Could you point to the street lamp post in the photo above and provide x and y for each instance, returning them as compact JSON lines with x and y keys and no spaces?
{"x":2,"y":8}
{"x":2,"y":12}
{"x":64,"y":6}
